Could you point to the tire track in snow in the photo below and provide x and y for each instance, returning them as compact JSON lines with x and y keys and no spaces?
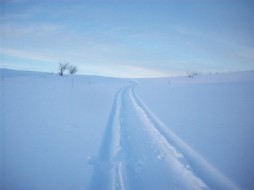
{"x":164,"y":166}
{"x":139,"y":152}
{"x":210,"y":175}
{"x":109,"y":166}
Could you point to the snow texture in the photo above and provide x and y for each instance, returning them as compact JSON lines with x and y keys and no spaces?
{"x":88,"y":132}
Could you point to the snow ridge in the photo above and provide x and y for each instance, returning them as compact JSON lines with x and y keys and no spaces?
{"x":139,"y":152}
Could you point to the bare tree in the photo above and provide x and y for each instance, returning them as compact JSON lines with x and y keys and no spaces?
{"x":72,"y":69}
{"x":62,"y":67}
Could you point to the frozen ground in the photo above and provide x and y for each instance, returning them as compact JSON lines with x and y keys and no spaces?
{"x":87,"y":132}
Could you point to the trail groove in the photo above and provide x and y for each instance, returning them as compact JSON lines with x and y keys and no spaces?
{"x":139,"y":152}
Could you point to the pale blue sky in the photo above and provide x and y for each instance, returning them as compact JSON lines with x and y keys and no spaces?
{"x":128,"y":38}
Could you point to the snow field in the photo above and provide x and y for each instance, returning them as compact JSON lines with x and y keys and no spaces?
{"x":212,"y":115}
{"x":87,"y":132}
{"x":50,"y":129}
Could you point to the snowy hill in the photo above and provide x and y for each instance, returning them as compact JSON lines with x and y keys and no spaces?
{"x":88,"y":132}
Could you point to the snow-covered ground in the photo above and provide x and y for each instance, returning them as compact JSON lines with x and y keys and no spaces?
{"x":88,"y":132}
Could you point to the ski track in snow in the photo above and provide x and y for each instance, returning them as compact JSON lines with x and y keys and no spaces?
{"x":139,"y":152}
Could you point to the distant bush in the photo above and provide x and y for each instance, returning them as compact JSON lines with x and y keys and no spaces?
{"x":66,"y":66}
{"x":192,"y":75}
{"x":72,"y":69}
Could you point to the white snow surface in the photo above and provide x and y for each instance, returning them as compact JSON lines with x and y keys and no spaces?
{"x":100,"y":133}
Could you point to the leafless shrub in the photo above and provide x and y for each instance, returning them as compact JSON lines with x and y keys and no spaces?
{"x":192,"y":74}
{"x":62,"y":67}
{"x":72,"y":69}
